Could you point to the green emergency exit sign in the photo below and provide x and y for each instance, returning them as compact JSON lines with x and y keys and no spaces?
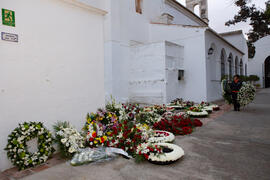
{"x":8,"y":17}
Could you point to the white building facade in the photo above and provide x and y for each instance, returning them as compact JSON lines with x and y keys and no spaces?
{"x":159,"y":50}
{"x":260,"y":64}
{"x":54,"y":70}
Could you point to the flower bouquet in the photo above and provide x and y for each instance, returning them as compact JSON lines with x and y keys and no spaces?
{"x":246,"y":94}
{"x":226,"y":91}
{"x":68,"y":139}
{"x":101,"y":154}
{"x":179,"y":103}
{"x":97,"y":131}
{"x":197,"y":111}
{"x":209,"y":107}
{"x":129,"y":112}
{"x":126,"y":136}
{"x":157,"y":109}
{"x":148,"y":117}
{"x":177,"y":124}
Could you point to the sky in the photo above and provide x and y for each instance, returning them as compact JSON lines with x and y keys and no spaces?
{"x":221,"y":11}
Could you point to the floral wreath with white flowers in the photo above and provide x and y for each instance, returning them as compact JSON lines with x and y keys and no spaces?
{"x":246,"y":94}
{"x":17,"y":150}
{"x":197,"y":111}
{"x":170,"y":154}
{"x":161,"y":137}
{"x":159,"y":153}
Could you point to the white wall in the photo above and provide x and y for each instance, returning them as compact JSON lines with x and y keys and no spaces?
{"x":192,"y":39}
{"x":153,"y":73}
{"x":179,"y":18}
{"x":147,"y":74}
{"x":239,"y":41}
{"x":213,"y":64}
{"x":125,"y":28}
{"x":174,"y":55}
{"x":55,"y":72}
{"x":256,"y":64}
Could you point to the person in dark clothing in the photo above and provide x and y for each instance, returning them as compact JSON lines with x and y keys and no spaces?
{"x":235,"y":87}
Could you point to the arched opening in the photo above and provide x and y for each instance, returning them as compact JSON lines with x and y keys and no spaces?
{"x":197,"y":9}
{"x":222,"y":63}
{"x":267,"y":72}
{"x":236,"y":72}
{"x":230,"y":63}
{"x":241,"y":68}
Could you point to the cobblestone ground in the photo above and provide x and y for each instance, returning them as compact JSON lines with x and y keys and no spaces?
{"x":235,"y":145}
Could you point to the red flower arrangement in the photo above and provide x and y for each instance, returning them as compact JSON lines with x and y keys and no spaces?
{"x":197,"y":123}
{"x":126,"y":136}
{"x":177,"y":124}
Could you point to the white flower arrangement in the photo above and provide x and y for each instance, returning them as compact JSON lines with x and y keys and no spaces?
{"x":180,"y":106}
{"x":176,"y":153}
{"x":198,"y":114}
{"x":146,"y":131}
{"x":148,"y":117}
{"x":246,"y":94}
{"x":209,"y":109}
{"x":215,"y":107}
{"x":69,"y":139}
{"x":82,"y":157}
{"x":143,"y":148}
{"x":162,"y":137}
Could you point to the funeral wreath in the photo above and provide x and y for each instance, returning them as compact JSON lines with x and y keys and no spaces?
{"x":17,"y":150}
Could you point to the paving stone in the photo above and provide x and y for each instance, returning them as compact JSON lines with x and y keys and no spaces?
{"x":21,"y":174}
{"x":11,"y":171}
{"x":3,"y":177}
{"x":40,"y":168}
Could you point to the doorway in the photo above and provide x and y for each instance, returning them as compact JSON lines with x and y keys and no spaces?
{"x":267,"y":72}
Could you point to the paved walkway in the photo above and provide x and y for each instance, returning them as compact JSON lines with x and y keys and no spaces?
{"x":231,"y":147}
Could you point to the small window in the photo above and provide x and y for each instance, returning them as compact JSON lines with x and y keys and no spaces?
{"x":138,"y":5}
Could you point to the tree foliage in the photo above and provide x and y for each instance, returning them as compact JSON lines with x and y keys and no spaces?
{"x":259,"y":21}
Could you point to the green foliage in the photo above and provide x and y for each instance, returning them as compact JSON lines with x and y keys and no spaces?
{"x":139,"y":158}
{"x":244,"y":78}
{"x":251,"y":78}
{"x":228,"y":98}
{"x":112,"y":106}
{"x":259,"y":21}
{"x":254,"y":78}
{"x":226,"y":91}
{"x":57,"y":126}
{"x":226,"y":77}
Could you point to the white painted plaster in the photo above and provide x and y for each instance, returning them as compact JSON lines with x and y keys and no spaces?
{"x":213,"y":63}
{"x":56,"y":71}
{"x":256,"y":64}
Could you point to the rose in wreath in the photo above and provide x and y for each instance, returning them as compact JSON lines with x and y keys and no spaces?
{"x":17,"y":150}
{"x":197,"y":123}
